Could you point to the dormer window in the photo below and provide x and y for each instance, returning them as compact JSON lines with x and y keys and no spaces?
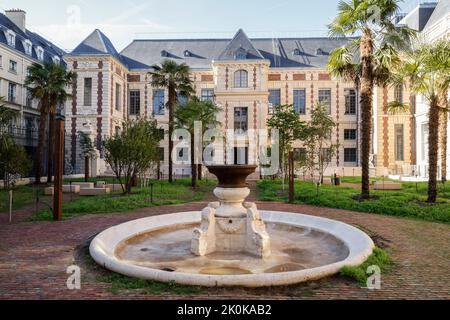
{"x":28,"y":46}
{"x":56,"y":60}
{"x":187,"y":53}
{"x":296,"y":52}
{"x":320,"y":52}
{"x":164,"y":53}
{"x":11,"y":38}
{"x":241,"y":54}
{"x":40,"y":53}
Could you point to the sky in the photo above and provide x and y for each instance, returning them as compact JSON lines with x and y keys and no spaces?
{"x":68,"y":22}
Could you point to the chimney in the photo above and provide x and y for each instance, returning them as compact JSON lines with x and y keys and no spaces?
{"x":17,"y":16}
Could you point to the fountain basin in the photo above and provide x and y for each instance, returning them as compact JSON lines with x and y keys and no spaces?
{"x":332,"y":244}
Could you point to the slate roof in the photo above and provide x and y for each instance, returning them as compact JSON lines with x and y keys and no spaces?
{"x":442,"y":9}
{"x":50,"y":49}
{"x":281,"y":52}
{"x":96,"y":44}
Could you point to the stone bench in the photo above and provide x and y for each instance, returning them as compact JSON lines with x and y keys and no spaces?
{"x":84,"y":185}
{"x":94,"y":191}
{"x":50,"y":191}
{"x":387,"y":185}
{"x":114,"y":187}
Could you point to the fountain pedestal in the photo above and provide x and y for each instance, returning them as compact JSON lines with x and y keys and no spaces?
{"x":231,"y":225}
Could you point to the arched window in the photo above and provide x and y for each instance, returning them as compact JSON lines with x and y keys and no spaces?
{"x":241,"y":79}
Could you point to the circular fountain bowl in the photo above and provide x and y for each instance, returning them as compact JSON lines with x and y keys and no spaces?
{"x":304,"y":248}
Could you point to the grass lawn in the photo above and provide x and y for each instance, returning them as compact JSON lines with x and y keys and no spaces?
{"x":164,"y":193}
{"x":22,"y":196}
{"x":408,"y":202}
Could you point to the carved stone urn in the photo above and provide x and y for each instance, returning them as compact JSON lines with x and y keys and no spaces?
{"x":231,"y":225}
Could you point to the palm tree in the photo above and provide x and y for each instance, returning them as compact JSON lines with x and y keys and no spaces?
{"x":203,"y":112}
{"x":427,"y":69}
{"x":175,"y":78}
{"x":48,"y":83}
{"x":443,"y":101}
{"x":366,"y":60}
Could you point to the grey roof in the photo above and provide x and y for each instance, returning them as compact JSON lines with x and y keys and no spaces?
{"x":442,"y":9}
{"x":242,"y":43}
{"x":96,"y":43}
{"x":281,"y":52}
{"x":50,"y":49}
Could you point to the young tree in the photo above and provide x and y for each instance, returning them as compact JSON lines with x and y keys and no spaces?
{"x":133,"y":151}
{"x":427,"y":69}
{"x":290,"y":128}
{"x":443,"y":102}
{"x":87,"y":152}
{"x":368,"y":59}
{"x":202,"y":112}
{"x":317,"y":141}
{"x":14,"y":161}
{"x":175,"y":78}
{"x":48,"y":83}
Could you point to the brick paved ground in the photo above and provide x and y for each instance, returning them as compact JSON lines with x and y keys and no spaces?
{"x":34,"y":257}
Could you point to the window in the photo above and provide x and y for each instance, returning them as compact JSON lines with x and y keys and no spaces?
{"x":399,"y":142}
{"x":135,"y":102}
{"x":325,"y":99}
{"x":56,"y":60}
{"x":241,"y":156}
{"x":161,"y":154}
{"x":350,"y":101}
{"x":350,"y":155}
{"x":27,"y":45}
{"x":350,"y":134}
{"x":241,"y":119}
{"x":241,"y":79}
{"x":398,"y":93}
{"x":1,"y":61}
{"x":118,"y":95}
{"x":11,"y":38}
{"x":425,"y":142}
{"x":12,"y":92}
{"x":12,"y":66}
{"x":299,"y":154}
{"x":300,"y":101}
{"x":158,"y":102}
{"x":87,"y":91}
{"x":40,"y":53}
{"x":241,"y":54}
{"x":275,"y":97}
{"x":29,"y":99}
{"x":208,"y":95}
{"x":183,"y":154}
{"x":182,"y":99}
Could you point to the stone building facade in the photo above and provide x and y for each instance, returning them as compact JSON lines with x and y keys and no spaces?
{"x":246,"y":78}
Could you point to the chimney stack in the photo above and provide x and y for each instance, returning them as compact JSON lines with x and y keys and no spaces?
{"x":17,"y":16}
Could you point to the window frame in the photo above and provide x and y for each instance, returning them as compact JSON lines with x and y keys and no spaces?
{"x":12,"y":92}
{"x":238,"y":120}
{"x":12,"y":66}
{"x":350,"y":94}
{"x":87,"y":92}
{"x":346,"y":155}
{"x":321,"y":96}
{"x":295,"y":96}
{"x":135,"y":110}
{"x":118,"y":97}
{"x":399,"y":150}
{"x":241,"y":79}
{"x":161,"y":106}
{"x":348,"y":137}
{"x":207,"y":97}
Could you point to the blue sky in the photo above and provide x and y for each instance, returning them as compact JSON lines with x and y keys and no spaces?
{"x":67,"y":22}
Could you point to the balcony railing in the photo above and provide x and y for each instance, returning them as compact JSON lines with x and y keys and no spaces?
{"x":22,"y":135}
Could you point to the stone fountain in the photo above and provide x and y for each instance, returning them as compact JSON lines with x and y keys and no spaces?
{"x":231,"y":243}
{"x":231,"y":225}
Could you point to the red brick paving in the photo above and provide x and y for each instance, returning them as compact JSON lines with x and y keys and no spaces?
{"x":34,"y":258}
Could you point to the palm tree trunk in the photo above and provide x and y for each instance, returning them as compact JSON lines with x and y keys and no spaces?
{"x":86,"y":169}
{"x":444,"y":137}
{"x":193,"y":164}
{"x":433,"y":146}
{"x":171,"y":105}
{"x":200,"y":172}
{"x":366,"y":111}
{"x":40,"y":147}
{"x":51,"y":140}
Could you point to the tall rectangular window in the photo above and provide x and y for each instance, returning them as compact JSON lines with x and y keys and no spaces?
{"x":399,"y":143}
{"x":182,"y":99}
{"x":350,"y":155}
{"x":12,"y":92}
{"x":274,"y":99}
{"x":241,"y":119}
{"x":398,"y":93}
{"x":158,"y":102}
{"x":12,"y":66}
{"x":350,"y":134}
{"x":425,"y":142}
{"x":29,"y":99}
{"x":299,"y":154}
{"x":325,"y":99}
{"x":87,"y":91}
{"x":208,"y":95}
{"x":118,"y":95}
{"x":350,"y":101}
{"x":300,"y":101}
{"x":135,"y":102}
